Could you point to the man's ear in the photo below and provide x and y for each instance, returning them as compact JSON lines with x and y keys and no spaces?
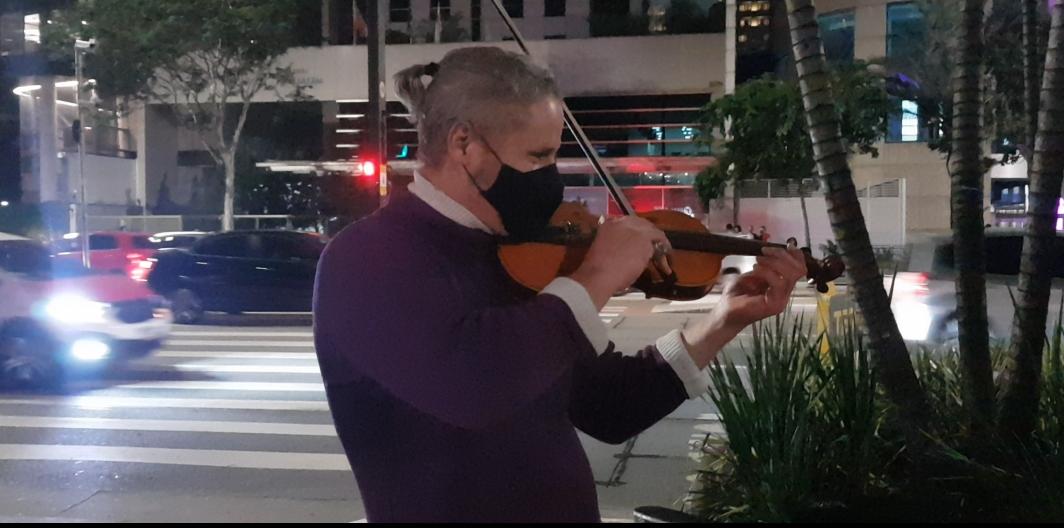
{"x":459,"y":137}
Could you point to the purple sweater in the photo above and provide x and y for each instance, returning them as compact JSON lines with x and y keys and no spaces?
{"x":457,"y":396}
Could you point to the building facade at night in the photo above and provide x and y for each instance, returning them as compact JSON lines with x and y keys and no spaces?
{"x":634,"y":77}
{"x":641,"y":112}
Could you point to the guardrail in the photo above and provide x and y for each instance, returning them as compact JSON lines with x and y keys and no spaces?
{"x":160,"y":223}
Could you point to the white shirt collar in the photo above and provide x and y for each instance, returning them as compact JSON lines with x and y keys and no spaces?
{"x":445,"y":205}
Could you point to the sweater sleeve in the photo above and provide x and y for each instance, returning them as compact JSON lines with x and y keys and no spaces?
{"x":616,"y":396}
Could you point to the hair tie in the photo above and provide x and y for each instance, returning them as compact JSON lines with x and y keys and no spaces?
{"x":431,"y":69}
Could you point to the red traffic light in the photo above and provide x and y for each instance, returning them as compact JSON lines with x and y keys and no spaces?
{"x":369,"y":168}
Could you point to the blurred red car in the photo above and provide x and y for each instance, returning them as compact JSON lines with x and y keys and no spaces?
{"x":110,"y":251}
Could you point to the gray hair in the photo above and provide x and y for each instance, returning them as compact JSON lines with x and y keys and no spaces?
{"x":469,"y":85}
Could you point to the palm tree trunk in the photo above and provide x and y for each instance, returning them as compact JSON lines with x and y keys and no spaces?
{"x":735,"y":203}
{"x":805,"y":215}
{"x":969,"y":244}
{"x":1031,"y":78}
{"x":1023,"y":372}
{"x":893,"y":366}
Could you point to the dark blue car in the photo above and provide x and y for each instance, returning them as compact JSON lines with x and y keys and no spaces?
{"x":239,"y":271}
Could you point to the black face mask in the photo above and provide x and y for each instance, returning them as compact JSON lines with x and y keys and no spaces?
{"x":525,"y":200}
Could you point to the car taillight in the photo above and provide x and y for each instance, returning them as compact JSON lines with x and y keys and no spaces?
{"x":918,"y":284}
{"x":140,"y":267}
{"x":923,"y":283}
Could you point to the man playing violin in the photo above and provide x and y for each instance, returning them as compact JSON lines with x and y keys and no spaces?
{"x":458,"y":395}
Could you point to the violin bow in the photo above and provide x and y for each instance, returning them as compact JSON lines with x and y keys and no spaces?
{"x":574,"y":127}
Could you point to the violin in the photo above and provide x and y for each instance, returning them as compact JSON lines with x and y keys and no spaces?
{"x":687,"y":273}
{"x":693,"y":266}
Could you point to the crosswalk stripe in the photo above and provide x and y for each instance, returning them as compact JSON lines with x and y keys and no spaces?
{"x":211,"y":333}
{"x":117,"y":402}
{"x":182,"y":457}
{"x":239,"y":343}
{"x":235,"y":355}
{"x":180,"y":426}
{"x":246,"y":386}
{"x":238,"y":369}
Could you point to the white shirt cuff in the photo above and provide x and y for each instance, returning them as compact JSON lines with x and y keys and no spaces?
{"x":672,"y":348}
{"x":575,"y":295}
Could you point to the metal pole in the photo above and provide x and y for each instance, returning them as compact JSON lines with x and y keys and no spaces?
{"x":79,"y":55}
{"x":375,"y":144}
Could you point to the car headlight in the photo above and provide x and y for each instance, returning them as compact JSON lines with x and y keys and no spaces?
{"x":89,"y":350}
{"x":73,"y":309}
{"x":914,"y":321}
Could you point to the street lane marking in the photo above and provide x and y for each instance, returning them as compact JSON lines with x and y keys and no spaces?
{"x":134,"y":402}
{"x":178,"y":457}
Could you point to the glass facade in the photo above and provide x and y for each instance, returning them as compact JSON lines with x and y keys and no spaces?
{"x":443,"y":7}
{"x":399,"y":11}
{"x":906,"y":29}
{"x":837,"y":32}
{"x":554,"y":8}
{"x":515,"y":8}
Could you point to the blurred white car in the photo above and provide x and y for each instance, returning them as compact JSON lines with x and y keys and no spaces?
{"x":736,"y":264}
{"x":924,"y":300}
{"x":57,"y":317}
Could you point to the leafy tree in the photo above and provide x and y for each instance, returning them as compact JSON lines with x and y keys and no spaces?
{"x":207,"y":59}
{"x":765,"y":135}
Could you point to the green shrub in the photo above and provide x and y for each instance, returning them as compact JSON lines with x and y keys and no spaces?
{"x":809,"y":437}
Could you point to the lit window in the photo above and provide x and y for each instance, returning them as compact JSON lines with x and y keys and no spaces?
{"x":910,"y":121}
{"x":32,"y":28}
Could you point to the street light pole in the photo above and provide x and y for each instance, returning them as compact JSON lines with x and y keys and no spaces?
{"x":80,"y":48}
